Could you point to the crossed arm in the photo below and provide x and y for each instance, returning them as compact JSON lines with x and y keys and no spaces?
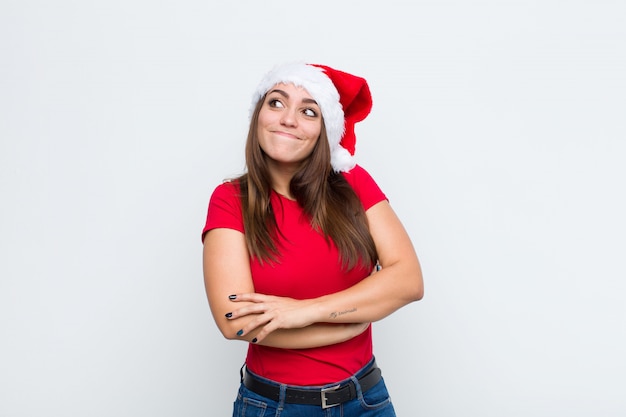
{"x":297,"y":324}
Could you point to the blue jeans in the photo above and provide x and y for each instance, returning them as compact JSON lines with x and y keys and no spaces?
{"x":373,"y":403}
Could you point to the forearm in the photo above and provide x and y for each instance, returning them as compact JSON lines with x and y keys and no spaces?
{"x":315,"y":335}
{"x":374,"y":298}
{"x":307,"y":336}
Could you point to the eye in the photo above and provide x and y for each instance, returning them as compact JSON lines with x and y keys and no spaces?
{"x":310,"y":112}
{"x":274,"y":102}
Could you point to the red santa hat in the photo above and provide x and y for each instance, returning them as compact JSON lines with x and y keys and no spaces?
{"x":343,"y":98}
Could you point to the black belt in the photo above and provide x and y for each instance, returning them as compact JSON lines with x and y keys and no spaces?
{"x":324,"y":397}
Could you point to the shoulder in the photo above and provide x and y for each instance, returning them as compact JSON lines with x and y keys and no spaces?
{"x":228,"y":187}
{"x":226,"y":198}
{"x":364,"y":186}
{"x":356,"y":174}
{"x":359,"y":178}
{"x":227,"y":190}
{"x":225,"y":208}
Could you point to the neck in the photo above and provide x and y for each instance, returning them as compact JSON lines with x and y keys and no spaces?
{"x":281,"y":176}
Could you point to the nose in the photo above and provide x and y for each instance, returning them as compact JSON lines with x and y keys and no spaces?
{"x":288,"y":117}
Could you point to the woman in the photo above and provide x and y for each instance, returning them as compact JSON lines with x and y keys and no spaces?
{"x":303,"y":252}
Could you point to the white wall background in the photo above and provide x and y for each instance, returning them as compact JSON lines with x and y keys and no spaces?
{"x":498,"y":132}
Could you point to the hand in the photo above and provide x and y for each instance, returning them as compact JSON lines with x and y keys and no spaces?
{"x":273,"y":313}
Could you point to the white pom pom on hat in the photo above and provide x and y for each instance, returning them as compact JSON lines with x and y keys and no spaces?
{"x":343,"y":98}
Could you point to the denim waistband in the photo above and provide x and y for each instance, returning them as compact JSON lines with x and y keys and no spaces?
{"x":326,"y":396}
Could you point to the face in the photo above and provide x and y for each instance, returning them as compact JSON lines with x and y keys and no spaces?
{"x":289,"y":124}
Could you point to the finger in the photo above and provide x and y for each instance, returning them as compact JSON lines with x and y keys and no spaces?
{"x":260,"y":321}
{"x":246,"y":311}
{"x":265,"y":331}
{"x":251,"y":297}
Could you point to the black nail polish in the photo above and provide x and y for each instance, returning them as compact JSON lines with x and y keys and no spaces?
{"x":254,"y":340}
{"x":228,"y":315}
{"x":240,"y":332}
{"x":232,"y":297}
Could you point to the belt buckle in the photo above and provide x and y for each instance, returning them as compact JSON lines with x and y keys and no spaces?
{"x":324,"y":400}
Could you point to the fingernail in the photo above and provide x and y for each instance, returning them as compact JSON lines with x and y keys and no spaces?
{"x":228,"y":315}
{"x":254,"y":340}
{"x":232,"y":297}
{"x":240,"y":332}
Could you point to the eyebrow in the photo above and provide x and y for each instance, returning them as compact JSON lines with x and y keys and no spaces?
{"x":284,"y":94}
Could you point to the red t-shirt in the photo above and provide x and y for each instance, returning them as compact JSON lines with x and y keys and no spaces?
{"x":308,"y":267}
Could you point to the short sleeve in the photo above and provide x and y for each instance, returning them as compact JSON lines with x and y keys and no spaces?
{"x":224,"y":209}
{"x":364,"y":186}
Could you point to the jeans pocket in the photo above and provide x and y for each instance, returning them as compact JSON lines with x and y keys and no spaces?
{"x":249,"y":404}
{"x":377,"y":397}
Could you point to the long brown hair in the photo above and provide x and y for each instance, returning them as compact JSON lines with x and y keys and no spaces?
{"x":326,"y":197}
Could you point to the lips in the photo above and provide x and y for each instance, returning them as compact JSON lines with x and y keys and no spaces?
{"x":285,"y":134}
